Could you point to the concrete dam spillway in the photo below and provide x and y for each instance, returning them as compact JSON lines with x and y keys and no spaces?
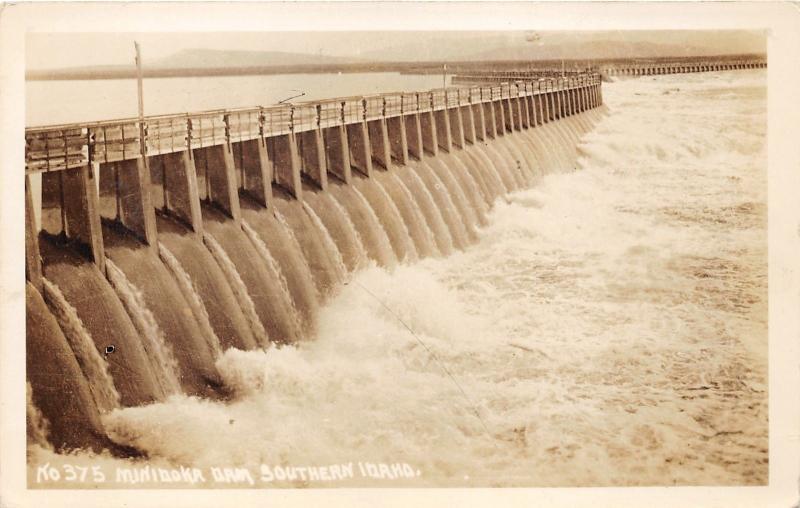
{"x":158,"y":247}
{"x":147,"y":260}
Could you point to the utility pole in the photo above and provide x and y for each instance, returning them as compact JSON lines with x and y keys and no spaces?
{"x":140,"y":89}
{"x":444,"y":76}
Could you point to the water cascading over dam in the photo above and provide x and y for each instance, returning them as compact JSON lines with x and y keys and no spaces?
{"x":154,"y":246}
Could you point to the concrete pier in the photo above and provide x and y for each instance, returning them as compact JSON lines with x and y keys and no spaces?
{"x":313,"y":159}
{"x":286,"y":163}
{"x":177,"y":176}
{"x":360,"y":151}
{"x":455,"y":118}
{"x":478,"y":113}
{"x":219,"y":176}
{"x":430,"y":141}
{"x":255,"y":168}
{"x":398,"y":141}
{"x":490,"y":123}
{"x":130,"y":182}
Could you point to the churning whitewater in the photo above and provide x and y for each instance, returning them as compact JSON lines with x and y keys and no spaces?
{"x":608,"y":328}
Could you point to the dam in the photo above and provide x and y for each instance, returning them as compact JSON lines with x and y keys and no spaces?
{"x":621,"y":67}
{"x":493,"y":283}
{"x":154,"y":245}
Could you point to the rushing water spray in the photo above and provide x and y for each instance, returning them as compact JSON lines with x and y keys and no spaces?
{"x":410,"y":249}
{"x":190,"y":293}
{"x":433,"y":215}
{"x":159,"y":353}
{"x":419,"y":217}
{"x":266,"y":256}
{"x":93,"y":365}
{"x":37,"y":425}
{"x":456,"y":202}
{"x":363,"y":259}
{"x":238,"y":287}
{"x":330,"y":246}
{"x":384,"y":244}
{"x":292,"y":238}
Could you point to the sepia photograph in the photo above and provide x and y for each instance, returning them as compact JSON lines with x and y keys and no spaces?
{"x":336,"y":258}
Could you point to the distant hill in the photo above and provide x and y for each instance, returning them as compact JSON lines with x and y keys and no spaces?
{"x":196,"y":58}
{"x":202,"y":62}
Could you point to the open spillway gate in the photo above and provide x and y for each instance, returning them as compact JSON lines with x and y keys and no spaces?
{"x":172,"y":162}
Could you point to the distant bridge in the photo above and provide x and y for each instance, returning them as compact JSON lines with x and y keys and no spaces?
{"x":651,"y":68}
{"x":637,"y":67}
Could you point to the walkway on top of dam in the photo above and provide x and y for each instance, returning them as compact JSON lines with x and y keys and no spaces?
{"x":73,"y":145}
{"x":125,"y":170}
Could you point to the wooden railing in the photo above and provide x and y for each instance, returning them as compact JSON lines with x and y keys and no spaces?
{"x":65,"y":146}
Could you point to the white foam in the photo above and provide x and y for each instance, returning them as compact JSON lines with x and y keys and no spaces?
{"x":158,"y":352}
{"x":94,"y":367}
{"x":190,"y":293}
{"x":238,"y":287}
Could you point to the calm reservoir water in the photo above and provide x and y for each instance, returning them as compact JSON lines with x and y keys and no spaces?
{"x":54,"y":102}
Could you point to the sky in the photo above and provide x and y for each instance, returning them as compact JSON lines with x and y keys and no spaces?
{"x":54,"y":50}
